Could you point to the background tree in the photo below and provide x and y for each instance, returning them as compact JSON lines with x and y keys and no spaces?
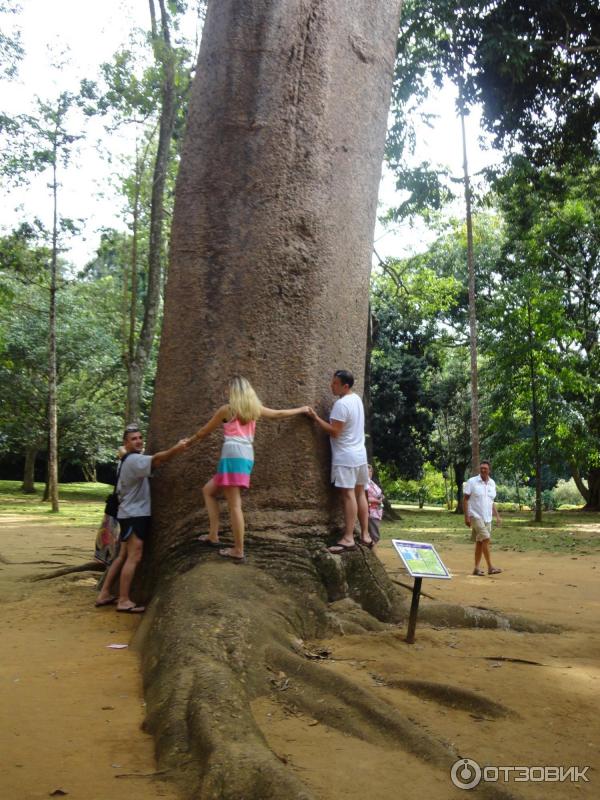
{"x":153,"y":98}
{"x":89,"y":379}
{"x":552,"y":222}
{"x":45,"y":144}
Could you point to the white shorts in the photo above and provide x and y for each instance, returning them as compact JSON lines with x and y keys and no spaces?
{"x":480,"y":530}
{"x":349,"y":477}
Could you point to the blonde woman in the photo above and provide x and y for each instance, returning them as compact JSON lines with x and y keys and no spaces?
{"x":238,"y":418}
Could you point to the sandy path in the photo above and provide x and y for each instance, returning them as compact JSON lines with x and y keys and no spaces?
{"x":73,"y":709}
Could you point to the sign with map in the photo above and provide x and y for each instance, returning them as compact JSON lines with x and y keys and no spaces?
{"x":421,"y":559}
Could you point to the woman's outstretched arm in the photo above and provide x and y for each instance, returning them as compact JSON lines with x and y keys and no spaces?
{"x":282,"y":413}
{"x":221,"y":415}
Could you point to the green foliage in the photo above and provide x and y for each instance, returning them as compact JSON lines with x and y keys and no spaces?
{"x":550,"y":268}
{"x":537,"y":66}
{"x":566,"y":493}
{"x":89,"y":368}
{"x":40,"y":141}
{"x":430,"y":489}
{"x":11,"y":49}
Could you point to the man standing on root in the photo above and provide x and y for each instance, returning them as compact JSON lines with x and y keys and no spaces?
{"x":134,"y":515}
{"x":479,"y":506}
{"x":349,"y":472}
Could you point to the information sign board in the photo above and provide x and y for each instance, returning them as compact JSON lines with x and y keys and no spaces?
{"x":421,"y":559}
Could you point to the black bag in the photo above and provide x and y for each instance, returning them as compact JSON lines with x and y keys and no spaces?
{"x":112,"y":504}
{"x":112,"y":501}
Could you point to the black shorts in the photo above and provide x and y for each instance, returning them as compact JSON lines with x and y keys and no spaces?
{"x":138,"y":525}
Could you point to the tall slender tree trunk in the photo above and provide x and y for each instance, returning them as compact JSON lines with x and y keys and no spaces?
{"x":52,"y":373}
{"x":475,"y":456}
{"x":133,"y":372}
{"x":272,"y":238}
{"x":459,"y":474}
{"x":518,"y":493}
{"x":165,"y":57}
{"x":535,"y":421}
{"x":28,"y":485}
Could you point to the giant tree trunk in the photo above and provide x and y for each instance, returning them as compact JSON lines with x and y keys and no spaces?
{"x":271,"y":242}
{"x":272,"y":236}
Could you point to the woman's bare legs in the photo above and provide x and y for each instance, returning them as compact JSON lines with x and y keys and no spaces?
{"x":236,"y":516}
{"x":210,"y":492}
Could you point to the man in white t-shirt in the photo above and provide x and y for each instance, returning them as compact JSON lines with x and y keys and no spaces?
{"x":349,"y":471}
{"x":479,"y":507}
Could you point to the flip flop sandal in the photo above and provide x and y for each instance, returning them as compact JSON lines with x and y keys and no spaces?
{"x":132,"y":610}
{"x":338,"y":549}
{"x":206,"y":542}
{"x":478,"y":572}
{"x":109,"y":602}
{"x":494,"y":571}
{"x":235,"y":559}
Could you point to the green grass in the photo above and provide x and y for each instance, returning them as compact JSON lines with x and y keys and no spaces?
{"x":79,"y":503}
{"x":560,"y":531}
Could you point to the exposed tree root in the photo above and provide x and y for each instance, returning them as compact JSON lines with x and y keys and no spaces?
{"x":452,"y":696}
{"x":219,"y":635}
{"x":451,"y":616}
{"x":89,"y":566}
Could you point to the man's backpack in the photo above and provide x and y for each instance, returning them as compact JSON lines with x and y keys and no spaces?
{"x":112,"y":501}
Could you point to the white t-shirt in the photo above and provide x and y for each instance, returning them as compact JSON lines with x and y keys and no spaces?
{"x":348,"y":449}
{"x":133,"y":487}
{"x":481,"y":497}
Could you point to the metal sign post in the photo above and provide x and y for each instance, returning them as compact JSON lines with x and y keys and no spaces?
{"x":421,"y":561}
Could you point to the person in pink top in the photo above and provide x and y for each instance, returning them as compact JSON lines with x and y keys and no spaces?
{"x":238,"y":418}
{"x":375,"y":499}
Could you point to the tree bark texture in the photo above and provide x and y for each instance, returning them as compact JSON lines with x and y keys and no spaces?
{"x":271,"y":243}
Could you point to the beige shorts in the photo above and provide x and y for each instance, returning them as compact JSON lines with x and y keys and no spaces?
{"x":480,"y":530}
{"x":349,"y":477}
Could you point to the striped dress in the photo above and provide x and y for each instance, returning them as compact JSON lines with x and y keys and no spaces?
{"x":237,"y":454}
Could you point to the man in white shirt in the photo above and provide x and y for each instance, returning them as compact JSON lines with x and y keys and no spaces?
{"x":349,"y":471}
{"x":479,"y":507}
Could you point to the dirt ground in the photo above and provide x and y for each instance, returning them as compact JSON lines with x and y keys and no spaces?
{"x":73,"y":708}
